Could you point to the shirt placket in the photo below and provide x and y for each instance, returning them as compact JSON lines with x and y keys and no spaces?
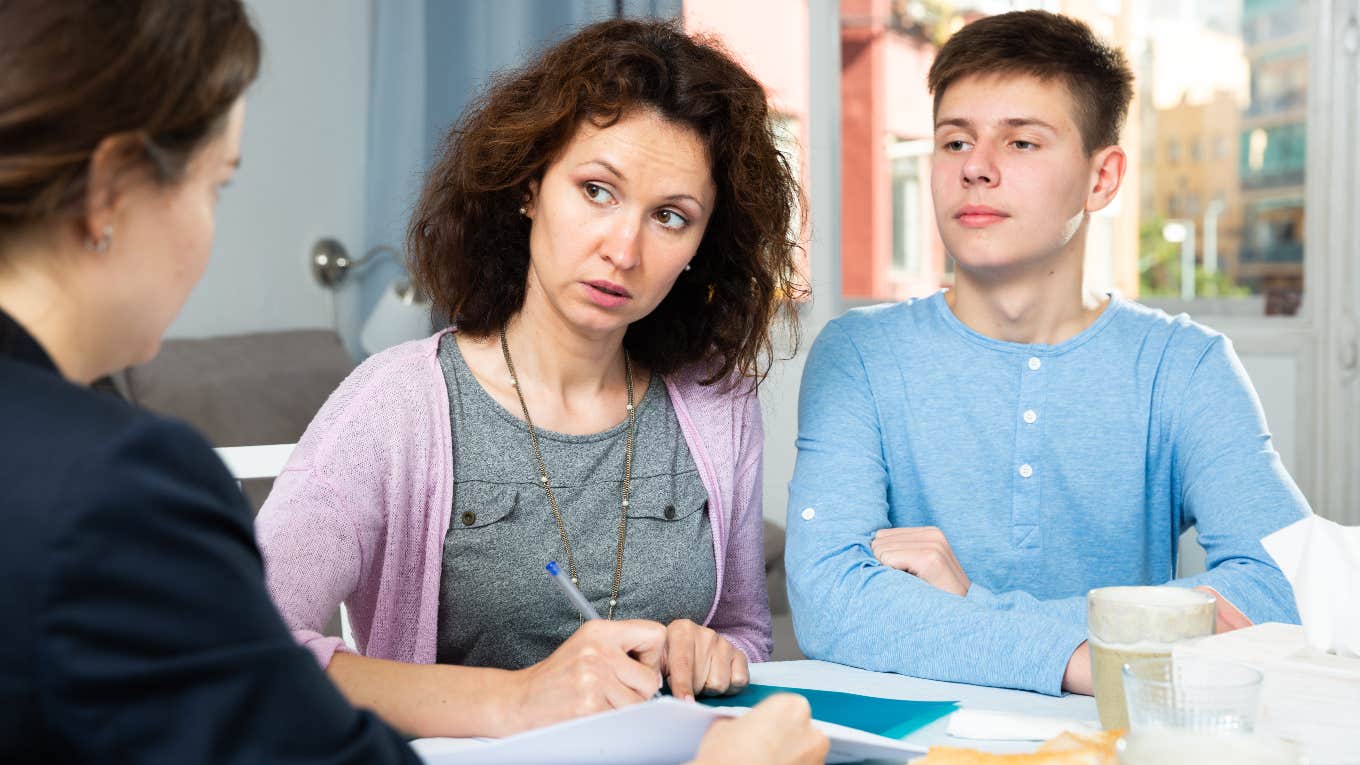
{"x":1027,"y":471}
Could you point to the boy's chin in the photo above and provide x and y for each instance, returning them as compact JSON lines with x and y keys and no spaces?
{"x":992,"y":265}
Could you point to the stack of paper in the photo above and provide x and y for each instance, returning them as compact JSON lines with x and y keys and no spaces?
{"x":666,"y":732}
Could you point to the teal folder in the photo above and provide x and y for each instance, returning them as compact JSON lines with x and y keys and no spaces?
{"x":894,"y":718}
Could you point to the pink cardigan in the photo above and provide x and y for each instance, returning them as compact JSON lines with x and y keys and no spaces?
{"x":360,"y":512}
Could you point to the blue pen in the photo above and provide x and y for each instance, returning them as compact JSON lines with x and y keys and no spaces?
{"x":574,"y":595}
{"x":577,"y":599}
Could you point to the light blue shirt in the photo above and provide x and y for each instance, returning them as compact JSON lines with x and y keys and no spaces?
{"x":1051,"y":469}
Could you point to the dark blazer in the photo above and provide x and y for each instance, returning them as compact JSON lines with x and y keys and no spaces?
{"x":136,"y":623}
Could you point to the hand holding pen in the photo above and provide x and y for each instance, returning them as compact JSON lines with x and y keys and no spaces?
{"x":578,"y":600}
{"x":604,"y":665}
{"x":697,"y":659}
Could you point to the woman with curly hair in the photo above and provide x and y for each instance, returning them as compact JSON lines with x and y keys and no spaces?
{"x":608,"y":234}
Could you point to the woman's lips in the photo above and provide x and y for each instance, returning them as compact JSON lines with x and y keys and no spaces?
{"x":607,"y":294}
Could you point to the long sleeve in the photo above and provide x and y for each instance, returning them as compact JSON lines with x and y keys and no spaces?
{"x":359,"y":513}
{"x":1232,"y":486}
{"x":314,"y":554}
{"x":743,"y":610}
{"x":849,"y":608}
{"x":160,"y":643}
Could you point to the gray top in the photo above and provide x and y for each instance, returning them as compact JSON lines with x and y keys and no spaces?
{"x":497,"y":606}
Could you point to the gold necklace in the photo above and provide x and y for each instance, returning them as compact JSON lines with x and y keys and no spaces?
{"x":547,"y":485}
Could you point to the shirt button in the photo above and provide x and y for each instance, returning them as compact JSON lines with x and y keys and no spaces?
{"x":1035,"y":363}
{"x":809,"y":513}
{"x":468,"y":517}
{"x":670,"y":512}
{"x":1030,"y":416}
{"x":1026,"y":471}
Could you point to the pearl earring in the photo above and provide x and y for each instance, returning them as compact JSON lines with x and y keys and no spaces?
{"x":687,"y":266}
{"x":523,"y":211}
{"x":102,"y":244}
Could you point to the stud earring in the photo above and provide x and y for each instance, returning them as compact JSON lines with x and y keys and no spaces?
{"x":523,"y":210}
{"x":687,"y":266}
{"x":102,"y":244}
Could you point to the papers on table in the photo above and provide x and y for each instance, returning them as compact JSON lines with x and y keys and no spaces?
{"x":893,"y":718}
{"x":983,"y":725}
{"x":661,"y":732}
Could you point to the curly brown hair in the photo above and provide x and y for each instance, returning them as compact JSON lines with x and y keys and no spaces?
{"x":469,"y":245}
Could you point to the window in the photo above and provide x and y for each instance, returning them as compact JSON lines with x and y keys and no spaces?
{"x":906,"y":218}
{"x":908,"y":228}
{"x":1234,"y":75}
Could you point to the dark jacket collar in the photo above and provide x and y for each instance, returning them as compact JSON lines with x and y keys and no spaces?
{"x":16,"y":343}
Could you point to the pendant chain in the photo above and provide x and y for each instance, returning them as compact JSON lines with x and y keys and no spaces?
{"x":547,"y":484}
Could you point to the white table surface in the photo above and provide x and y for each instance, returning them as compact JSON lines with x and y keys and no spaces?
{"x":824,"y":676}
{"x":820,"y":675}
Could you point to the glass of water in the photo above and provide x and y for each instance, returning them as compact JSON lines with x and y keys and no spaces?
{"x":1192,"y":695}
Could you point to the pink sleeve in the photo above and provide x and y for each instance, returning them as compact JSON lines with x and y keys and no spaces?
{"x":312,"y":553}
{"x":743,"y":613}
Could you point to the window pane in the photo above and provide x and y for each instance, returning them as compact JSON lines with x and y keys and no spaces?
{"x":1231,"y":75}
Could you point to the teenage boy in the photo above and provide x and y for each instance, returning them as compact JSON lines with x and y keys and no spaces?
{"x":971,"y":463}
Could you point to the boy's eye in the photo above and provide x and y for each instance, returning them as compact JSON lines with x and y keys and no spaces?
{"x":1024,"y":145}
{"x":956,"y":145}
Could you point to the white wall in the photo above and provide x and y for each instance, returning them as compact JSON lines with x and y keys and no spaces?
{"x":302,"y":173}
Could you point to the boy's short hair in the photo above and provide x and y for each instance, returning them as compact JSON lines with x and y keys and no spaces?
{"x":1047,"y":46}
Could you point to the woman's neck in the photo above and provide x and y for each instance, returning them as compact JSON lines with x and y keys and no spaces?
{"x":52,"y":311}
{"x":560,"y":361}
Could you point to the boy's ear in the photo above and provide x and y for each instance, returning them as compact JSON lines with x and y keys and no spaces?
{"x":1107,"y":173}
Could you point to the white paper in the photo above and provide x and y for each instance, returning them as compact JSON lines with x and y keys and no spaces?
{"x":661,"y":732}
{"x":982,"y":725}
{"x":1321,"y":560}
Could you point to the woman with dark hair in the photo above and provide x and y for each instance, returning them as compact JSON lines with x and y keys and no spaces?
{"x":137,"y":623}
{"x":608,"y":231}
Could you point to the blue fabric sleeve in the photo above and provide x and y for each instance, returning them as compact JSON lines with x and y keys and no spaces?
{"x":847,"y":607}
{"x":1233,"y":487}
{"x":1067,"y":610}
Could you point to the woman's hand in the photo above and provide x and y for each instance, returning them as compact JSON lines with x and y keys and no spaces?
{"x":778,"y":731}
{"x":699,"y":660}
{"x":605,"y":665}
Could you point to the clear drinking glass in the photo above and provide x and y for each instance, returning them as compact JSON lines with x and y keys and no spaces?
{"x":1131,"y":623}
{"x":1198,"y":695}
{"x":1196,"y":711}
{"x":1167,"y":746}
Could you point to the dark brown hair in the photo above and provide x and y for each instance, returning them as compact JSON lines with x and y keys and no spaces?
{"x":164,"y":73}
{"x":469,"y":246}
{"x":1050,"y":47}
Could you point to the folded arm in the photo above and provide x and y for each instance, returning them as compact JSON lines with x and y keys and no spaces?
{"x":850,"y":608}
{"x":1233,"y":487}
